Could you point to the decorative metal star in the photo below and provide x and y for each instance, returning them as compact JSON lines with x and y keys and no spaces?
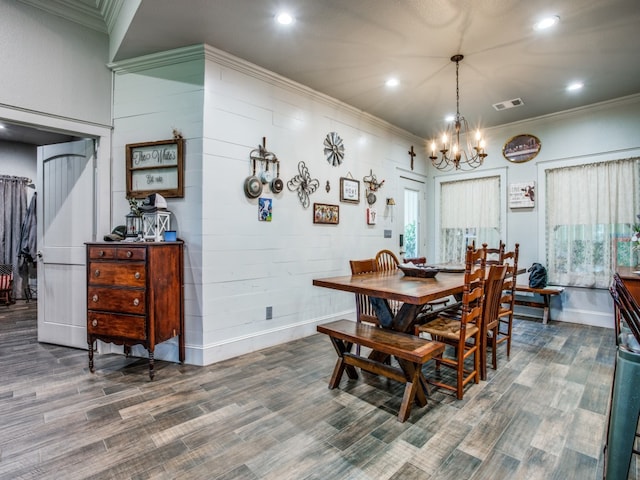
{"x":303,"y":184}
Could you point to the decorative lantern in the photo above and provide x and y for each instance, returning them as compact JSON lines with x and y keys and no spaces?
{"x":155,"y":224}
{"x":133,"y":225}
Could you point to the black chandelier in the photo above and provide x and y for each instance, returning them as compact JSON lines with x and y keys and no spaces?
{"x":452,"y":153}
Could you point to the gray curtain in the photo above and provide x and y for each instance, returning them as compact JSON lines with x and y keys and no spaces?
{"x":13,"y":193}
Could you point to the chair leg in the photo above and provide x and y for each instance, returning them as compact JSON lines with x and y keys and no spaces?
{"x":509,"y":330}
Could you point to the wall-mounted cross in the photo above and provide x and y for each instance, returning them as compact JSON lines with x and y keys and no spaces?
{"x":412,"y":154}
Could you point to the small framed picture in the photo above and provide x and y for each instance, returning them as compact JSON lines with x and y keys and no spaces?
{"x":349,"y":190}
{"x":265,"y":209}
{"x":521,"y":148}
{"x":323,"y":213}
{"x":522,"y":195}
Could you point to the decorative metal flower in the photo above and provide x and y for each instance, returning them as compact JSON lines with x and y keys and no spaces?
{"x":303,"y":184}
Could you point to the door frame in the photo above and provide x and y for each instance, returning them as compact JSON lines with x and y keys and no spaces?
{"x":402,"y":176}
{"x":101,"y":134}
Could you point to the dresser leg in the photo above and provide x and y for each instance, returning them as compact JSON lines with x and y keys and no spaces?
{"x":90,"y":342}
{"x":152,"y":372}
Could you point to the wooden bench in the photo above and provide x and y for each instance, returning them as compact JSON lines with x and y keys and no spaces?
{"x":545,"y":293}
{"x":410,"y":351}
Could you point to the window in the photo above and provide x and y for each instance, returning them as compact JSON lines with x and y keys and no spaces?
{"x":470,"y":211}
{"x":590,"y":211}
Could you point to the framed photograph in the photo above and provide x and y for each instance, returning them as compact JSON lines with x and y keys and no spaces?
{"x":155,"y":167}
{"x":323,"y":213}
{"x":349,"y":190}
{"x":521,"y":148}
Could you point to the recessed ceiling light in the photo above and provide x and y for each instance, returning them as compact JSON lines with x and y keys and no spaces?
{"x":546,"y":23}
{"x":284,"y":18}
{"x":572,"y":87}
{"x":392,"y":82}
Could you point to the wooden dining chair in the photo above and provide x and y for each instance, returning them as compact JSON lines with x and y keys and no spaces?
{"x":415,"y":260}
{"x":387,"y":261}
{"x":364,"y":309}
{"x":494,"y":255}
{"x":462,"y":334}
{"x":493,"y":289}
{"x":507,"y":303}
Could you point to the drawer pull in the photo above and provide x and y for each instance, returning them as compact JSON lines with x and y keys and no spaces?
{"x":95,"y":298}
{"x":101,"y":253}
{"x":129,"y":253}
{"x":136,"y":302}
{"x":94,"y":323}
{"x":96,"y":273}
{"x":137,"y":275}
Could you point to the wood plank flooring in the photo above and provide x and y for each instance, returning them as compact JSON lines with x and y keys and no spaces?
{"x":270,"y":415}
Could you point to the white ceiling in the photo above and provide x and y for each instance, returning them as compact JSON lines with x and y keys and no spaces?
{"x":348,"y":48}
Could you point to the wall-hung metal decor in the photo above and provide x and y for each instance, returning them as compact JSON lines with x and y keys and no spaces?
{"x":334,"y":149}
{"x":155,"y":167}
{"x":323,"y":213}
{"x":521,"y":148}
{"x":303,"y":184}
{"x":269,"y":164}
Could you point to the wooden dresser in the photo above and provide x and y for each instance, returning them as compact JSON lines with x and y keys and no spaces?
{"x":135,"y":295}
{"x":631,"y":280}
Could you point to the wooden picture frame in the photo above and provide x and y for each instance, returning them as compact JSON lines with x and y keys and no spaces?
{"x":325,"y":213}
{"x":521,"y":148}
{"x":349,"y":190}
{"x":155,"y":167}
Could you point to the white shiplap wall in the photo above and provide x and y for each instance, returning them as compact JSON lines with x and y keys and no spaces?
{"x":236,"y":266}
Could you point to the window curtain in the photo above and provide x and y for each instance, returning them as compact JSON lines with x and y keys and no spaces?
{"x":590,"y":213}
{"x":13,"y":192}
{"x":469,"y":212}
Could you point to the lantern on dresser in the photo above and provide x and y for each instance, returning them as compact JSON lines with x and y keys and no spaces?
{"x":156,"y":219}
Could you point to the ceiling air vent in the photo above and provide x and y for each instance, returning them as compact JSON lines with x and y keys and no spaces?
{"x":516,"y":102}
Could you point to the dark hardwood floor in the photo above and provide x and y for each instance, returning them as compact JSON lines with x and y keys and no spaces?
{"x":270,"y":415}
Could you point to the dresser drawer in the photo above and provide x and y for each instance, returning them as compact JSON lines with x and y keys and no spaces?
{"x":117,"y":273}
{"x":102,"y":253}
{"x":131,"y":253}
{"x":116,"y":300}
{"x":115,"y":325}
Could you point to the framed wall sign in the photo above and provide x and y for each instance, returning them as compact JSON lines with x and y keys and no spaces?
{"x":155,"y":167}
{"x":349,"y":190}
{"x":521,"y":148}
{"x":522,"y":195}
{"x":323,"y":213}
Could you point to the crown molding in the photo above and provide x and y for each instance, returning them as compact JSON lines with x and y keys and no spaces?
{"x":97,"y":15}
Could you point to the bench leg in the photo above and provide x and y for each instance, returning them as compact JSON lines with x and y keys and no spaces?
{"x":413,"y":389}
{"x":545,"y":313}
{"x":341,"y":347}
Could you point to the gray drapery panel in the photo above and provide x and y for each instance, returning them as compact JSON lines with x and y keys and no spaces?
{"x":13,"y":192}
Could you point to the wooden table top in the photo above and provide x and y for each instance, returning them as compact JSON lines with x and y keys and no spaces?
{"x":397,"y":286}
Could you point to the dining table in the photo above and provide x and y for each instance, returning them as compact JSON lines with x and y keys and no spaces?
{"x":413,"y":292}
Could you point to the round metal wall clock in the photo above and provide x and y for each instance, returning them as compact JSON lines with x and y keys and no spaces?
{"x":334,"y":149}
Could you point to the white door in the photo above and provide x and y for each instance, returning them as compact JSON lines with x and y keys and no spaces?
{"x":65,"y":211}
{"x":412,"y":217}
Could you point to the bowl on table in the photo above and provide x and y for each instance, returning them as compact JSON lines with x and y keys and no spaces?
{"x":420,"y":271}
